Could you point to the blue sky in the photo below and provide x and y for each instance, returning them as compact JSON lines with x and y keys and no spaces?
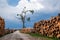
{"x":43,"y":10}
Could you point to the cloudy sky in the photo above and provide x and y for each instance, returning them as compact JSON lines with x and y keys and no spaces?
{"x":43,"y":9}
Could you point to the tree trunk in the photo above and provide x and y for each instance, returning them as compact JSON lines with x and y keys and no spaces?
{"x":24,"y":24}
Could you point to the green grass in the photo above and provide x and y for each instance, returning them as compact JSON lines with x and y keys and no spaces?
{"x":41,"y":36}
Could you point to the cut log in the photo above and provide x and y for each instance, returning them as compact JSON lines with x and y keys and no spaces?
{"x":48,"y":27}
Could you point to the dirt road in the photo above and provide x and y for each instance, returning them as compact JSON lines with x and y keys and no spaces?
{"x":16,"y":36}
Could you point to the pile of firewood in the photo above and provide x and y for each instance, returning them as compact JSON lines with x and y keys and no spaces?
{"x":2,"y":26}
{"x":50,"y":28}
{"x":8,"y":31}
{"x":26,"y":30}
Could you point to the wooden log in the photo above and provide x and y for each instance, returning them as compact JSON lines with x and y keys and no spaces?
{"x":49,"y":27}
{"x":2,"y":26}
{"x":58,"y":36}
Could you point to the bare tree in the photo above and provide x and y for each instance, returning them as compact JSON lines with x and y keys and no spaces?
{"x":23,"y":16}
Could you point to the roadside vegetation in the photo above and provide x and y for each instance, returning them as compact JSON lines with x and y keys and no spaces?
{"x":39,"y":36}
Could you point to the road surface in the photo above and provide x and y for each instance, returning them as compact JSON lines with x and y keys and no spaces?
{"x":16,"y":36}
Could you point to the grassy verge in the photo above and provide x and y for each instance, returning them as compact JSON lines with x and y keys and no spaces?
{"x":41,"y":36}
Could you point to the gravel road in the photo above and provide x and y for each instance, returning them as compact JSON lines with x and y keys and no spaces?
{"x":19,"y":36}
{"x":16,"y":36}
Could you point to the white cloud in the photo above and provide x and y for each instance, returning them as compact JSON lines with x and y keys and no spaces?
{"x":6,"y":11}
{"x":34,"y":5}
{"x":51,"y":5}
{"x":9,"y":12}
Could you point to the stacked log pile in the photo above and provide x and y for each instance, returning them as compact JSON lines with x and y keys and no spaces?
{"x":49,"y":28}
{"x":26,"y":30}
{"x":8,"y":31}
{"x":2,"y":26}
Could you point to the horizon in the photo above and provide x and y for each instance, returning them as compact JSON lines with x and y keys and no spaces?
{"x":43,"y":10}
